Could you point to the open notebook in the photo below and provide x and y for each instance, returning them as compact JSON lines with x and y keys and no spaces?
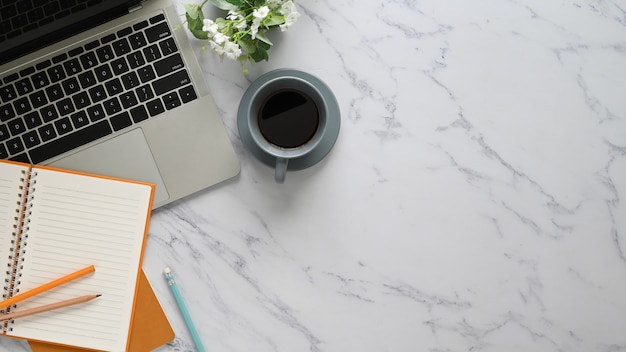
{"x":54,"y":222}
{"x":150,"y":328}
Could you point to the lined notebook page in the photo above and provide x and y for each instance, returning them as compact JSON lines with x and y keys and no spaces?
{"x":10,"y":175}
{"x":77,"y":221}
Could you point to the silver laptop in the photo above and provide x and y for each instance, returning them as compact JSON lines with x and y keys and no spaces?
{"x":109,"y":87}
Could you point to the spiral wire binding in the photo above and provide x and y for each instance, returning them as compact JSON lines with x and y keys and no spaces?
{"x":19,"y":241}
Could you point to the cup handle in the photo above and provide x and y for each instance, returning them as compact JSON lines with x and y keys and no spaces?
{"x":281,"y":170}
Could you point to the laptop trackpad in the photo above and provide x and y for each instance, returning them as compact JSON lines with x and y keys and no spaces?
{"x":126,"y":156}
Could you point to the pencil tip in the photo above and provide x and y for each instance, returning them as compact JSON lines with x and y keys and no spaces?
{"x":98,"y":295}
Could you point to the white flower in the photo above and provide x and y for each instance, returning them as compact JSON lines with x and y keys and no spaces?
{"x":289,"y":11}
{"x":219,"y":38}
{"x":232,"y":50}
{"x":261,"y":12}
{"x":273,"y":3}
{"x":209,"y":26}
{"x":241,"y":25}
{"x":234,"y":15}
{"x":254,"y":28}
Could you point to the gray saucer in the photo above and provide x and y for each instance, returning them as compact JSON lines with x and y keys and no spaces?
{"x":330,"y":134}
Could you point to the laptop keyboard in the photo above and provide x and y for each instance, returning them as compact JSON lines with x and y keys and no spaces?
{"x":92,"y":91}
{"x":20,"y":16}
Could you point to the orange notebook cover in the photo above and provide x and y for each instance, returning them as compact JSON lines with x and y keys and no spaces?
{"x":67,"y":220}
{"x":150,"y":328}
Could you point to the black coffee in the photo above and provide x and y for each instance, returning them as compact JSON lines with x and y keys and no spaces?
{"x":288,"y":118}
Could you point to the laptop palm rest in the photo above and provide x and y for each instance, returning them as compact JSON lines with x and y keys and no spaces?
{"x":128,"y":152}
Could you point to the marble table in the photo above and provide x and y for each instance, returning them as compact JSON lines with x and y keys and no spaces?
{"x":474,"y":200}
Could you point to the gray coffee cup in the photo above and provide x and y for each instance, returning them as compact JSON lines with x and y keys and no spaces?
{"x":289,"y":120}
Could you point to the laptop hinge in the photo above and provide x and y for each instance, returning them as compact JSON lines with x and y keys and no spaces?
{"x":135,"y":8}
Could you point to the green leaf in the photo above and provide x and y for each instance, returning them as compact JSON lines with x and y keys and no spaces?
{"x":248,"y":45}
{"x":193,"y":10}
{"x":264,"y":39}
{"x":259,"y":55}
{"x":195,"y":25}
{"x":275,"y":20}
{"x":225,"y":4}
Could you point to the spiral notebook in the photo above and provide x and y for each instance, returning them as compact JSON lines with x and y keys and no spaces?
{"x":54,"y":222}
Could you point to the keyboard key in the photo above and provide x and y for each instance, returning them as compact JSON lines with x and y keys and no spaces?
{"x":38,"y":99}
{"x":107,"y":39}
{"x":75,"y":52}
{"x":59,"y":58}
{"x":43,"y":65}
{"x":70,"y":141}
{"x":22,"y":158}
{"x":121,"y":121}
{"x":65,"y":107}
{"x":7,"y":93}
{"x":56,"y":73}
{"x":71,"y":86}
{"x":22,"y":106}
{"x":81,"y":100}
{"x":139,"y":113}
{"x":80,"y":119}
{"x":72,"y":67}
{"x":16,"y":126}
{"x":87,"y":79}
{"x":32,"y":120}
{"x":27,"y":71}
{"x":114,"y":87}
{"x":121,"y":47}
{"x":168,"y":46}
{"x":171,"y":100}
{"x":49,"y":113}
{"x":157,"y":18}
{"x":128,"y":100}
{"x":47,"y":132}
{"x":97,"y":94}
{"x":168,"y":65}
{"x":112,"y":106}
{"x":40,"y":79}
{"x":15,"y":145}
{"x":124,"y":32}
{"x":137,"y":40}
{"x":146,"y":74}
{"x":119,"y":66}
{"x":31,"y":139}
{"x":103,"y":73}
{"x":54,"y":92}
{"x":4,"y":154}
{"x":10,"y":78}
{"x":96,"y":113}
{"x":173,"y":81}
{"x":92,"y":45}
{"x":6,"y":112}
{"x":88,"y":60}
{"x":4,"y":133}
{"x":105,"y":53}
{"x":144,"y":93}
{"x":130,"y":80}
{"x":63,"y":126}
{"x":160,"y":31}
{"x":187,"y":94}
{"x":152,"y":53}
{"x":155,"y":107}
{"x":136,"y":59}
{"x":141,"y":25}
{"x":23,"y":86}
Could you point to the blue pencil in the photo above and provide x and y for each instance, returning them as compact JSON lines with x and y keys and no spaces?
{"x":183,"y":309}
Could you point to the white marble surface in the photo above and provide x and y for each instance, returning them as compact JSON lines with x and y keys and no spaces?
{"x":474,"y":200}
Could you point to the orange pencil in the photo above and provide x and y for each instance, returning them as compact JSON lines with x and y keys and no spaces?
{"x":48,"y":307}
{"x":47,"y":286}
